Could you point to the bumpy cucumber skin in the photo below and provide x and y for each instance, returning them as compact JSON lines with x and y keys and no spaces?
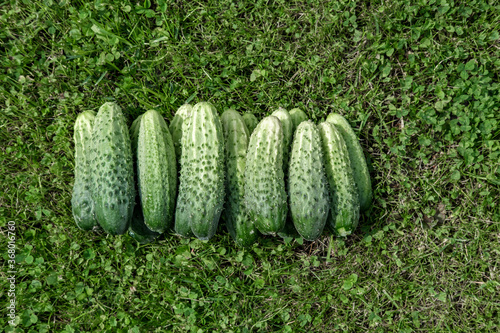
{"x":138,"y":230}
{"x":344,"y":208}
{"x":183,"y":113}
{"x":265,"y":195}
{"x":288,"y":130}
{"x":81,"y":201}
{"x":307,"y":184}
{"x":250,"y":122}
{"x":287,"y":125}
{"x":113,"y":172}
{"x":236,"y":137}
{"x":297,"y":116}
{"x":201,"y":188}
{"x":357,"y":158}
{"x":156,"y":172}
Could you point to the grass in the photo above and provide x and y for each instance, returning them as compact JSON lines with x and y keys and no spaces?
{"x":419,"y":83}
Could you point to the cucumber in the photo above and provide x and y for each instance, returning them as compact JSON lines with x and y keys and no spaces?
{"x":112,"y":170}
{"x":289,"y":230}
{"x":134,"y":138}
{"x":307,"y":184}
{"x":287,"y":124}
{"x":297,"y":116}
{"x":138,"y":230}
{"x":201,"y":188}
{"x":344,"y":207}
{"x":82,"y":204}
{"x":265,"y":195}
{"x":357,"y":158}
{"x":156,"y":171}
{"x":236,"y":137}
{"x":182,"y":114}
{"x":250,"y":122}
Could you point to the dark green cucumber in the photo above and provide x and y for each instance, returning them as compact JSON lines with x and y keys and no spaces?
{"x":156,"y":172}
{"x":113,"y":172}
{"x":307,"y":184}
{"x":250,"y":122}
{"x":236,"y":137}
{"x":81,"y":201}
{"x":357,"y":158}
{"x":344,"y":207}
{"x":297,"y":116}
{"x":138,"y":230}
{"x":289,"y":230}
{"x":201,"y":188}
{"x":265,"y":195}
{"x":182,"y":114}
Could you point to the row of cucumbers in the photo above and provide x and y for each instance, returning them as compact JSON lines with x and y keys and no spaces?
{"x":203,"y":166}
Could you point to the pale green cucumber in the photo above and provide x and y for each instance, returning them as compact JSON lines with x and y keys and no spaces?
{"x":265,"y":195}
{"x":201,"y":188}
{"x":358,"y":162}
{"x":297,"y":116}
{"x":82,"y":204}
{"x":287,"y":125}
{"x":182,"y":114}
{"x":344,"y":207}
{"x":308,"y":188}
{"x":236,"y":137}
{"x":250,"y":122}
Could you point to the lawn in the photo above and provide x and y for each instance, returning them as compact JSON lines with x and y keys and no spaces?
{"x":417,"y":80}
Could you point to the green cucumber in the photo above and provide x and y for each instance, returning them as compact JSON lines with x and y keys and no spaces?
{"x":265,"y":195}
{"x":236,"y":137}
{"x":134,"y":137}
{"x":288,"y":130}
{"x":344,"y":208}
{"x":357,"y":158}
{"x":287,"y":124}
{"x":138,"y":230}
{"x":156,"y":171}
{"x":307,"y":183}
{"x":112,"y":170}
{"x":201,"y":188}
{"x":289,"y":230}
{"x":297,"y":116}
{"x":182,"y":114}
{"x":82,"y":204}
{"x":250,"y":122}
